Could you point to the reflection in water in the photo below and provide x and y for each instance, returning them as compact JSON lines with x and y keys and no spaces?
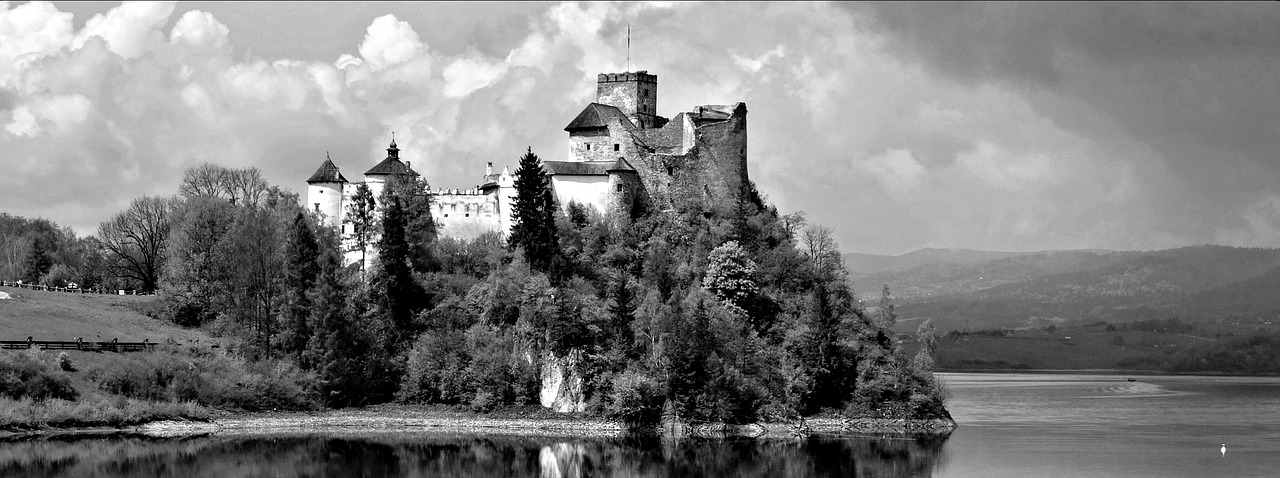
{"x":379,"y":455}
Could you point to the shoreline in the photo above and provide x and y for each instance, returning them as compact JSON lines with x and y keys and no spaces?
{"x":409,"y":420}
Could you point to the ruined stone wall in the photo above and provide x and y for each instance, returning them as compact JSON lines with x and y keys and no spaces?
{"x":722,"y":156}
{"x":465,"y":214}
{"x":697,"y":160}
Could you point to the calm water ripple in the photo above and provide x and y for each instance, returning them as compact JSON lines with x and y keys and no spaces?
{"x":1010,"y":425}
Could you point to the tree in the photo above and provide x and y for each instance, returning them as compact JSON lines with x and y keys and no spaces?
{"x":885,"y":316}
{"x":362,"y":219}
{"x":36,"y":263}
{"x":300,"y":276}
{"x":419,"y":226}
{"x":136,"y":240}
{"x":731,"y":275}
{"x":534,"y":228}
{"x":334,"y":348}
{"x":238,"y":186}
{"x":394,"y":289}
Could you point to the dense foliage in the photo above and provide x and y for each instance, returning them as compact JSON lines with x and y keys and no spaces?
{"x":724,"y":313}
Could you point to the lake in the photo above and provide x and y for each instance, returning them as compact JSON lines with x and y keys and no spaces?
{"x":1010,"y":425}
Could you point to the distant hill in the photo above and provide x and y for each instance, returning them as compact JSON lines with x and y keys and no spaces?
{"x":1036,"y":289}
{"x":861,"y":263}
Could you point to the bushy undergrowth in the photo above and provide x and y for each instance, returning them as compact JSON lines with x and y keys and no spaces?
{"x":27,"y":376}
{"x":33,"y":414}
{"x":205,"y":376}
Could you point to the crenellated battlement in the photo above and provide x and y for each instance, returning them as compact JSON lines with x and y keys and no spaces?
{"x":641,"y":76}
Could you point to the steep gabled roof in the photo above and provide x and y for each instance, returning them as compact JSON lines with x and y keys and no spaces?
{"x":595,"y":115}
{"x":577,"y":168}
{"x":328,"y":173}
{"x":390,"y":167}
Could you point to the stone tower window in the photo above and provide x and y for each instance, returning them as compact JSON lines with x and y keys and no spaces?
{"x":616,"y":146}
{"x":317,"y":207}
{"x":618,"y":187}
{"x":588,"y":146}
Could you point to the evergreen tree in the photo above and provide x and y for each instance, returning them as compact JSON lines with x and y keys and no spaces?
{"x":534,"y":228}
{"x":395,"y":292}
{"x":36,"y":263}
{"x":300,"y":276}
{"x":333,"y":349}
{"x":419,"y":227}
{"x":360,"y":212}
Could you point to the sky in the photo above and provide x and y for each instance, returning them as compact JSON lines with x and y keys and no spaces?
{"x":992,"y":126}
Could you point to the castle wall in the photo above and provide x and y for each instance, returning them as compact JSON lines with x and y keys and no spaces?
{"x":722,"y":154}
{"x":466,"y":214}
{"x":624,"y":193}
{"x":326,"y":199}
{"x":591,"y":145}
{"x":592,"y":191}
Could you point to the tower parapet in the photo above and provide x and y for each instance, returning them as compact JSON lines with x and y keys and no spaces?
{"x":634,"y":93}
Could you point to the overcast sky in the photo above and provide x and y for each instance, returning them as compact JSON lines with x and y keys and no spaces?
{"x":983,"y":126}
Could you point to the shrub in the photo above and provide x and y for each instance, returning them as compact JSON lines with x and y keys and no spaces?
{"x":637,"y":399}
{"x":23,"y":375}
{"x":207,"y":377}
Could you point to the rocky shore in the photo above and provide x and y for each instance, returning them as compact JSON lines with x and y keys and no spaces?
{"x":410,"y":420}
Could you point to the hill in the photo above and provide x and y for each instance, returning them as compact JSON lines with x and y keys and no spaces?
{"x":47,"y":315}
{"x":1038,"y":289}
{"x":861,"y":263}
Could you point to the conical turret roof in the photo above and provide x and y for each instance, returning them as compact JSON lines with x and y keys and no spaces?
{"x":328,"y":173}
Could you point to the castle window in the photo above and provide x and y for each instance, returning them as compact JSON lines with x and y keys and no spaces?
{"x":468,"y":215}
{"x":618,"y":187}
{"x":446,"y":214}
{"x":588,"y":147}
{"x":616,"y":146}
{"x":317,"y":207}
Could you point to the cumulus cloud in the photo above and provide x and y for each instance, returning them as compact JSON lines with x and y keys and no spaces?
{"x":900,"y":127}
{"x":130,"y":29}
{"x":389,"y":41}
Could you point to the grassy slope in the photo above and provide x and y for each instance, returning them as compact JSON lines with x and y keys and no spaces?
{"x":46,"y":315}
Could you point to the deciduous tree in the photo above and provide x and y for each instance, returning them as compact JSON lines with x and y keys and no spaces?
{"x":137,"y":238}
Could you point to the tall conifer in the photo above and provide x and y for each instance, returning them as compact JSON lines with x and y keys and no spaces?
{"x":533,"y":214}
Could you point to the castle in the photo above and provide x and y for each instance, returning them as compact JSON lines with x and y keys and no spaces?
{"x":622,"y":156}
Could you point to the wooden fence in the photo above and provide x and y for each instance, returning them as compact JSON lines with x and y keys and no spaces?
{"x":73,"y":290}
{"x":115,"y":345}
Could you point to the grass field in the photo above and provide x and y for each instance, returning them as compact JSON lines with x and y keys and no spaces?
{"x":45,"y":315}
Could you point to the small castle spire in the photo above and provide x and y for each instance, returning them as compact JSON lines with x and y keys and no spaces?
{"x":393,"y":151}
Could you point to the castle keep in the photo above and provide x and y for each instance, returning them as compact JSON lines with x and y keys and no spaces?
{"x":622,"y":156}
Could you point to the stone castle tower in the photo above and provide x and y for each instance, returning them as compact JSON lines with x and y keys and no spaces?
{"x":623,"y":157}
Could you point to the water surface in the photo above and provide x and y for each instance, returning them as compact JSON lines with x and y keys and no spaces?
{"x":1010,"y":425}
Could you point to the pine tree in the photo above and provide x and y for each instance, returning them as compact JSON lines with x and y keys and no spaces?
{"x":334,"y":348}
{"x":36,"y":263}
{"x":534,"y":228}
{"x":393,"y":286}
{"x":362,"y":220}
{"x":300,"y":276}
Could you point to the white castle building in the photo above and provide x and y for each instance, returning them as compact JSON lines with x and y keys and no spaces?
{"x":622,"y":156}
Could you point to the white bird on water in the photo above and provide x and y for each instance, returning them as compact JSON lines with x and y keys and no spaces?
{"x":1224,"y":449}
